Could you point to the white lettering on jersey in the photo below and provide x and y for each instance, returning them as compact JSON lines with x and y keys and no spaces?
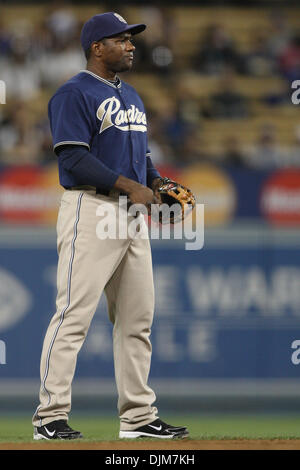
{"x":110,"y":114}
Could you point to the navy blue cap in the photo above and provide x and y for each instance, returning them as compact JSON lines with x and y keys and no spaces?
{"x":104,"y":26}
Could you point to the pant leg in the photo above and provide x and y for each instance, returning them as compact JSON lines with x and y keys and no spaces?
{"x":130,"y":295}
{"x":84,"y":267}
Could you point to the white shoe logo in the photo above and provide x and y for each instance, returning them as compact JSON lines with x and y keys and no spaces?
{"x":48,"y":432}
{"x":158,"y":428}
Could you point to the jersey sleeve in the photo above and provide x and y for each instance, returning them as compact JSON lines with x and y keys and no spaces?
{"x":69,"y":120}
{"x":152,"y":172}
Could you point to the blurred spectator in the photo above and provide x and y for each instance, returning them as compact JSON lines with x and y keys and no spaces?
{"x":19,"y":71}
{"x":280,"y":33}
{"x":18,"y":137}
{"x":277,"y":95}
{"x":142,"y":54}
{"x":292,"y":158}
{"x":289,"y":59}
{"x":4,"y":40}
{"x":154,"y":49}
{"x":187,"y":103}
{"x":162,"y":58}
{"x":161,"y":24}
{"x":43,"y":40}
{"x":227,"y":103}
{"x":61,"y":63}
{"x":266,"y":153}
{"x":152,"y":58}
{"x":233,"y":154}
{"x":174,"y":127}
{"x":160,"y":150}
{"x":157,"y":153}
{"x":259,"y":62}
{"x":44,"y":139}
{"x":62,"y":57}
{"x":61,"y":22}
{"x":193,"y":150}
{"x":217,"y":51}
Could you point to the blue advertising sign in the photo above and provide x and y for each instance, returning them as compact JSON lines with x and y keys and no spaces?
{"x":230,"y":310}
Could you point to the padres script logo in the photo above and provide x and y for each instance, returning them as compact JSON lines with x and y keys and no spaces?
{"x":110,"y":114}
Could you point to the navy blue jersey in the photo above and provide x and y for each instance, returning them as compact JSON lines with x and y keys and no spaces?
{"x":108,"y":119}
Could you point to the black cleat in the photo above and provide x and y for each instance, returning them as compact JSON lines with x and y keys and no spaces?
{"x":56,"y":430}
{"x":157,"y":429}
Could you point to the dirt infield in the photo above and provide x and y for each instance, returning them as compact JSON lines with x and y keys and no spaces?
{"x":236,"y":444}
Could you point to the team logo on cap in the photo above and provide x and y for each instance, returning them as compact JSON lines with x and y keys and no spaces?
{"x":120,"y":18}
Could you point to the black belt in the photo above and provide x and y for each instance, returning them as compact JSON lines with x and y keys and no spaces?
{"x":104,"y":192}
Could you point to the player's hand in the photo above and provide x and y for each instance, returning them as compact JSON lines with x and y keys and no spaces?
{"x":142,"y":195}
{"x":155,"y":185}
{"x":137,"y":193}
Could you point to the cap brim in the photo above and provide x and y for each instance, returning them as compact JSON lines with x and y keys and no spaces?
{"x":136,"y":28}
{"x":132,"y":28}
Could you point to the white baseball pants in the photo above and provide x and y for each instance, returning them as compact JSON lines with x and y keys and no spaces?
{"x":87,"y":266}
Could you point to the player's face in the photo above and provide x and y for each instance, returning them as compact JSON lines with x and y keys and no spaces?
{"x":118,"y":53}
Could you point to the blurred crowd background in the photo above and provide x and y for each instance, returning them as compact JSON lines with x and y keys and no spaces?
{"x":216,"y":81}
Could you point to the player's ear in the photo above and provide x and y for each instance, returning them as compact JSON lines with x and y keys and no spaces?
{"x":97,"y":48}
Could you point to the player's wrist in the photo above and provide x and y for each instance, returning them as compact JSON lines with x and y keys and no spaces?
{"x":126,"y":185}
{"x":155,"y":183}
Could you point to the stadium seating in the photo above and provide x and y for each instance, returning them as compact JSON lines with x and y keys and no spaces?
{"x":241,"y":24}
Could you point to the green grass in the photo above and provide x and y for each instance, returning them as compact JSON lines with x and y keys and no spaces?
{"x":97,"y":428}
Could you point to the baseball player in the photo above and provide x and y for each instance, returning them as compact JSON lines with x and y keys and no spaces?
{"x":99,"y":130}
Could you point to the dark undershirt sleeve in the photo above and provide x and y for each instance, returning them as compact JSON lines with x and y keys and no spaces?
{"x":86,"y":168}
{"x":152,"y":172}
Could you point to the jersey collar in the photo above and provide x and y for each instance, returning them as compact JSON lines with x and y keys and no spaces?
{"x":103,"y":79}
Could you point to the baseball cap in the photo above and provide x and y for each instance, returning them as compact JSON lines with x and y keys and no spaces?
{"x":106,"y":25}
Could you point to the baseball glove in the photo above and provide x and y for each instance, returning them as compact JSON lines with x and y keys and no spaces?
{"x":177,"y":196}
